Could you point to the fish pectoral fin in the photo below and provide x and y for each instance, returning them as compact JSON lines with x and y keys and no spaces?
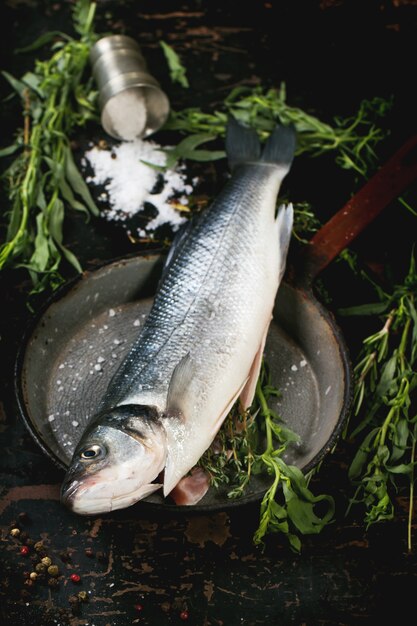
{"x":181,"y":379}
{"x":248,"y":391}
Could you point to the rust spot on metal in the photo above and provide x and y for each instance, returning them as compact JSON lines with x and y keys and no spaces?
{"x":96,"y":527}
{"x":101,"y":599}
{"x":109,"y":567}
{"x":139,"y":588}
{"x":29,"y":492}
{"x":213,"y":528}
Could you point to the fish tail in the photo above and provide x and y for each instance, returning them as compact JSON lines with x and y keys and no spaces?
{"x":243,"y":146}
{"x":280,"y":147}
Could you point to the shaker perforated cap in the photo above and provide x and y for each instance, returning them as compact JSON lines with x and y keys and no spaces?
{"x":131,"y":100}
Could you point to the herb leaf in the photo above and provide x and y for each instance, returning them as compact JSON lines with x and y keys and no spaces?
{"x":176,"y":68}
{"x":386,"y":381}
{"x":186,"y":149}
{"x":43,"y":177}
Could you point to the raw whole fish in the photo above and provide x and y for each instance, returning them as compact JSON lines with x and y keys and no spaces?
{"x":201,"y":346}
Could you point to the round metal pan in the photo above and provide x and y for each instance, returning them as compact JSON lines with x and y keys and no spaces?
{"x":75,"y":346}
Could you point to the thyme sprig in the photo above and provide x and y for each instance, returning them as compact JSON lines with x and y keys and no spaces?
{"x":254,"y":443}
{"x":43,"y":179}
{"x":386,"y":381}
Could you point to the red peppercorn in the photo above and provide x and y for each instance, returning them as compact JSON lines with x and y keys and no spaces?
{"x":24,"y":550}
{"x":184,"y":615}
{"x":139,"y":607}
{"x":75,"y":578}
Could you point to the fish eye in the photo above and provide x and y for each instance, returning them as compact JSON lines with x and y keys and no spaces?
{"x":92,"y":452}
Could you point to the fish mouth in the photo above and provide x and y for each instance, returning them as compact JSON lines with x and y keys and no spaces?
{"x":72,"y":497}
{"x":68,"y":491}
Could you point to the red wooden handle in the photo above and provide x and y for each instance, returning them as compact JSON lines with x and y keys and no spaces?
{"x":393,"y":178}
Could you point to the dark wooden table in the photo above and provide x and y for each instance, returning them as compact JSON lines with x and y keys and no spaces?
{"x":147,"y":567}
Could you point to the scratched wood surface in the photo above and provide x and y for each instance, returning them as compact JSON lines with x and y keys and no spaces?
{"x":142,"y":567}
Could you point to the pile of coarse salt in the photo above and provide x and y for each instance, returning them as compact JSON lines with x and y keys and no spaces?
{"x":129,"y":181}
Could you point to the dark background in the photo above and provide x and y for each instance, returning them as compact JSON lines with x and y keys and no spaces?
{"x":331,"y":55}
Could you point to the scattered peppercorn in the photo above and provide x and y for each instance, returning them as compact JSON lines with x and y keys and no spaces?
{"x":75,"y":578}
{"x":73,"y":600}
{"x":40,"y":568}
{"x":89,"y":552}
{"x":24,"y":550}
{"x":82,"y":596}
{"x":53,"y":582}
{"x":53,"y":570}
{"x":29,"y":582}
{"x":138,"y":607}
{"x":33,"y":575}
{"x":46,"y":561}
{"x":39,"y":546}
{"x":184,"y":615}
{"x":15,"y":532}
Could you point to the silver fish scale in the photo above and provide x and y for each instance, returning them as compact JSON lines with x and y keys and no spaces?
{"x":206,"y":296}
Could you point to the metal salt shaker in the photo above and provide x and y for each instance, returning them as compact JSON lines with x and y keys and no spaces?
{"x":131,"y":101}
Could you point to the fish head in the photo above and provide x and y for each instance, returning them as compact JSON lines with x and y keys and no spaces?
{"x":116,"y":461}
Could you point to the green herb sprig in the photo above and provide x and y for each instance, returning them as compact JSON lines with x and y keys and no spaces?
{"x":43,"y":178}
{"x":177,"y":70}
{"x":352,"y":139}
{"x":249,"y":445}
{"x":385,"y":391}
{"x":292,"y":510}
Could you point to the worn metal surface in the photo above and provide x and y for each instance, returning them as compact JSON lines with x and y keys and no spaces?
{"x":76,"y":346}
{"x":207,"y":564}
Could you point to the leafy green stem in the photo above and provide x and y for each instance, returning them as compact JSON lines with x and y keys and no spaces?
{"x":384,"y":391}
{"x":43,"y":178}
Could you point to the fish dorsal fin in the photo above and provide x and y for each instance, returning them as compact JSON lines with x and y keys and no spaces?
{"x":181,"y":379}
{"x":242,"y":144}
